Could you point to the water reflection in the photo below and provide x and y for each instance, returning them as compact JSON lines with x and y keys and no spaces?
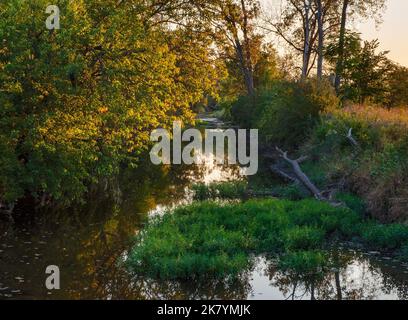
{"x":358,"y":277}
{"x":87,"y":242}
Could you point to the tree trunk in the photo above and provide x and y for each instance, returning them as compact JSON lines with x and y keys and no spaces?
{"x":249,"y":75}
{"x":306,"y":49}
{"x":340,"y":61}
{"x":338,"y":285}
{"x":245,"y":69}
{"x":321,"y":40}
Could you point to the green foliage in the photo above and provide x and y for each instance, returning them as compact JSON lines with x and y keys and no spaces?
{"x":303,"y":238}
{"x":291,"y":191}
{"x":285,"y":112}
{"x":218,"y":240}
{"x":368,"y":75}
{"x":396,"y":87}
{"x":354,"y":202}
{"x":376,"y":171}
{"x":171,"y":246}
{"x":79,"y":102}
{"x":386,"y":236}
{"x":304,"y":262}
{"x":192,"y":241}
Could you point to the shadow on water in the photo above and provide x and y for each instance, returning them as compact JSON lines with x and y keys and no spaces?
{"x":87,"y":242}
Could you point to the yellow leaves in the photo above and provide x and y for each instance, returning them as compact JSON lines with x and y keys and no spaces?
{"x":91,"y":94}
{"x":103,"y":110}
{"x":12,"y":87}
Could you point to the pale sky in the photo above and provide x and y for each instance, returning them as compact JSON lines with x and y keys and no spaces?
{"x":392,"y":33}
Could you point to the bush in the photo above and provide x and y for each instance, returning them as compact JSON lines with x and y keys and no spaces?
{"x":377,"y":171}
{"x":286,"y":112}
{"x":242,"y":111}
{"x":291,"y":191}
{"x":353,"y":202}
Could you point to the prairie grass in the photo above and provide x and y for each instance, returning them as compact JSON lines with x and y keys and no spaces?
{"x":377,"y":171}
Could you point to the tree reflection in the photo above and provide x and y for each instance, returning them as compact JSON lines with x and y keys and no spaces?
{"x":352,"y":277}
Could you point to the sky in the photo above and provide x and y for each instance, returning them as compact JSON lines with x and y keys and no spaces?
{"x":392,"y":33}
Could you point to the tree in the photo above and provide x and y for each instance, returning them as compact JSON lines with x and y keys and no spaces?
{"x":79,"y":102}
{"x":364,"y":70}
{"x":234,"y":31}
{"x":396,"y":85}
{"x":354,"y":9}
{"x":320,"y":48}
{"x":304,"y":25}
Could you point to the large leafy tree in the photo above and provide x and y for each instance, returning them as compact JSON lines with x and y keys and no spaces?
{"x":365,"y":70}
{"x":78,"y":102}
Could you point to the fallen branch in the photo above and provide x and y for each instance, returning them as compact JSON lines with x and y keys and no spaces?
{"x":284,"y":175}
{"x":351,"y":138}
{"x":301,"y":176}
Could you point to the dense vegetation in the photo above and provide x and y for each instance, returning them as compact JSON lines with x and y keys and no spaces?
{"x":375,"y":170}
{"x":219,"y":240}
{"x":79,"y":102}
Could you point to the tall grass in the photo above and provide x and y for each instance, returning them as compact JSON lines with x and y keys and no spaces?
{"x":378,"y":170}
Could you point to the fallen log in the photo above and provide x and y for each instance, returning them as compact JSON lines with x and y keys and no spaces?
{"x":351,"y":139}
{"x":301,"y":176}
{"x":284,"y":175}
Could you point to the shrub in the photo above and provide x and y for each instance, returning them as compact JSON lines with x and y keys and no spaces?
{"x":242,"y":111}
{"x":377,"y":171}
{"x":286,"y":111}
{"x":354,"y":202}
{"x":291,"y":191}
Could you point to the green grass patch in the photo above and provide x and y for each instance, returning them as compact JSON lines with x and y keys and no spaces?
{"x":305,"y":262}
{"x":219,"y":239}
{"x":393,"y":236}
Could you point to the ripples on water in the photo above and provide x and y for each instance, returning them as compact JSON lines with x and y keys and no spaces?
{"x":86,"y":244}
